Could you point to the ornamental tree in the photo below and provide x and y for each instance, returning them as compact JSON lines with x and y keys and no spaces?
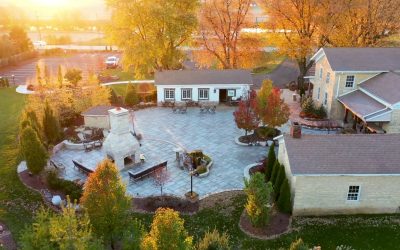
{"x":161,"y":177}
{"x":270,"y":162}
{"x":33,"y":150}
{"x":73,"y":76}
{"x":258,"y":197}
{"x":279,"y":180}
{"x":132,"y":96}
{"x":51,"y":127}
{"x":167,"y":232}
{"x":277,"y":111}
{"x":245,"y":115}
{"x":275,"y":171}
{"x":284,"y":201}
{"x":106,"y":202}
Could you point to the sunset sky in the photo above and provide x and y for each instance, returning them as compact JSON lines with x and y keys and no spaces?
{"x":45,"y":9}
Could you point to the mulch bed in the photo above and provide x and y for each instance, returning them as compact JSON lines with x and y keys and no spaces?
{"x":151,"y":204}
{"x":38,"y":183}
{"x":279,"y":223}
{"x":6,"y":239}
{"x":254,"y":137}
{"x":257,"y":169}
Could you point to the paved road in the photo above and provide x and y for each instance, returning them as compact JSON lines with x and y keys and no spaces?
{"x":87,"y":62}
{"x":286,"y":72}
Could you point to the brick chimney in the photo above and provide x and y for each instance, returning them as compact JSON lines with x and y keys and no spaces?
{"x":295,"y":130}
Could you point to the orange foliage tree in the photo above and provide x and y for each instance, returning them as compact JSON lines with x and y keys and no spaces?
{"x":245,"y":115}
{"x":277,"y":111}
{"x":106,"y":203}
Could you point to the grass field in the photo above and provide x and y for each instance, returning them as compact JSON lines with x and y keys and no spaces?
{"x":17,"y":203}
{"x":359,"y":232}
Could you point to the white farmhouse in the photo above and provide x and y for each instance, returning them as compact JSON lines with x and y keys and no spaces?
{"x":342,"y":173}
{"x":202,"y":85}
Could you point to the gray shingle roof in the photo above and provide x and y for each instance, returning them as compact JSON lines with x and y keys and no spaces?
{"x":385,"y":86}
{"x":343,"y":154}
{"x":98,"y":110}
{"x":189,"y":77}
{"x":360,"y":103}
{"x":363,"y":59}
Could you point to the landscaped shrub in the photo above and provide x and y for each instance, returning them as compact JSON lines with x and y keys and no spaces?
{"x":33,"y":150}
{"x":310,"y":110}
{"x":201,"y":169}
{"x":131,"y":97}
{"x":258,"y":197}
{"x":298,"y":245}
{"x":275,"y":171}
{"x":279,"y":180}
{"x":270,"y":162}
{"x":265,"y":132}
{"x":51,"y":127}
{"x":284,"y":201}
{"x":73,"y":190}
{"x":214,"y":240}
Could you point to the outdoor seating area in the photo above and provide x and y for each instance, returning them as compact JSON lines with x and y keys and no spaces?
{"x":82,"y":168}
{"x":208,"y":108}
{"x":146,"y":172}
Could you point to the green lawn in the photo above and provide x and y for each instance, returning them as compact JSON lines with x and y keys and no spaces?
{"x":17,"y":203}
{"x":271,"y":62}
{"x":360,"y":232}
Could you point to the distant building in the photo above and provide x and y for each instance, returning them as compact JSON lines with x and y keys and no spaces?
{"x":342,"y":173}
{"x":97,"y":117}
{"x":202,"y":85}
{"x":360,"y":86}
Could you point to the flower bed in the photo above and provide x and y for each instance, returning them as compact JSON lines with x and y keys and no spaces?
{"x":261,"y":134}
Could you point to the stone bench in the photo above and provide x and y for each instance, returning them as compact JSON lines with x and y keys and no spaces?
{"x":138,"y":175}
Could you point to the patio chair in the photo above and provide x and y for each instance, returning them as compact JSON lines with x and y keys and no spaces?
{"x":202,"y":109}
{"x":175,"y":110}
{"x":212,"y":109}
{"x":183,"y":110}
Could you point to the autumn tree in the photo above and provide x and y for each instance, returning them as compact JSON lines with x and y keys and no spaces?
{"x":106,"y":202}
{"x":20,"y":39}
{"x":33,"y":150}
{"x":214,"y":240}
{"x":167,"y":232}
{"x":66,"y":230}
{"x":258,"y":197}
{"x":73,"y":76}
{"x":245,"y":115}
{"x":51,"y":127}
{"x":277,"y":112}
{"x":364,"y":23}
{"x":150,"y":32}
{"x":304,"y":25}
{"x":133,"y":235}
{"x":221,"y":22}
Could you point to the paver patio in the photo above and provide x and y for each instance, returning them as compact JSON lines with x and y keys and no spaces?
{"x":163,"y":131}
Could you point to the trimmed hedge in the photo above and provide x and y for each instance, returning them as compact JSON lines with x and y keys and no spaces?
{"x":73,"y":190}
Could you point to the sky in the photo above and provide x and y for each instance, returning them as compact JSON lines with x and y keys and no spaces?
{"x":46,"y":9}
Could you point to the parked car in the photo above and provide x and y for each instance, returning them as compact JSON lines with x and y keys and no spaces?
{"x":112,"y":62}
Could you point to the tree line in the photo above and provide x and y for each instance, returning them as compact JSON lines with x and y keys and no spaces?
{"x":151,"y":32}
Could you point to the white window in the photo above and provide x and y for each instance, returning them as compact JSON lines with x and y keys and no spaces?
{"x":186,"y":94}
{"x":349,"y":81}
{"x":319,"y":91}
{"x":169,"y":94}
{"x":328,"y":77}
{"x":354,"y":193}
{"x":204,"y":94}
{"x":321,"y":71}
{"x":326,"y":98}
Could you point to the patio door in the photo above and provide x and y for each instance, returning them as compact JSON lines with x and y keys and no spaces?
{"x":223,"y":95}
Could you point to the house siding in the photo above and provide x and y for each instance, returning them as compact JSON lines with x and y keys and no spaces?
{"x":213,"y":91}
{"x":97,"y":121}
{"x":323,"y":195}
{"x":394,"y":125}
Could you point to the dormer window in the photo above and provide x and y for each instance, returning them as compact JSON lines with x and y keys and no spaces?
{"x":349,"y":82}
{"x":328,"y":77}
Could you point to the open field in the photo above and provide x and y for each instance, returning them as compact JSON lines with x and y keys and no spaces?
{"x":17,"y":203}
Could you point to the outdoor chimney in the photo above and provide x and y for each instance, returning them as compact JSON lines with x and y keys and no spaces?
{"x":295,"y":130}
{"x":120,"y":144}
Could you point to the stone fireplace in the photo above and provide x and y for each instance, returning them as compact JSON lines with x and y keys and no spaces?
{"x":120,"y":145}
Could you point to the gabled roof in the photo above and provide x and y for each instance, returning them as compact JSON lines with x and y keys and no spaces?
{"x":344,"y":154}
{"x":360,"y":103}
{"x":363,"y":59}
{"x":385,"y":86}
{"x":101,"y":110}
{"x":194,"y":77}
